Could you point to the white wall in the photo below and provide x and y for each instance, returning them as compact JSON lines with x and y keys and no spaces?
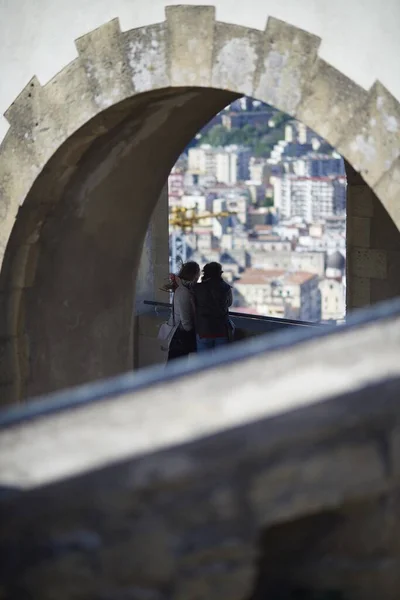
{"x":360,"y":38}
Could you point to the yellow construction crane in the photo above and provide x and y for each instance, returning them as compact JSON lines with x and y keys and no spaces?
{"x":185,"y":218}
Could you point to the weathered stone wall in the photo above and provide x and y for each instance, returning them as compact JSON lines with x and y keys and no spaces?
{"x":190,"y":489}
{"x":373,"y":246}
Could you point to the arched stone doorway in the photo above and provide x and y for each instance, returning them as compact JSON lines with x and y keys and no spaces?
{"x":87,"y":155}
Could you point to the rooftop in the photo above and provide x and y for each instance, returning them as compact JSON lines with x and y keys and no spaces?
{"x":266,"y":276}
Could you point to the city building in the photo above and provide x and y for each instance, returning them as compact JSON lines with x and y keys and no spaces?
{"x":312,"y":262}
{"x":311,"y":198}
{"x":280,"y":293}
{"x":333,"y":306}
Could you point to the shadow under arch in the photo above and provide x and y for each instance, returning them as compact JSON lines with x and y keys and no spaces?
{"x":121,"y":113}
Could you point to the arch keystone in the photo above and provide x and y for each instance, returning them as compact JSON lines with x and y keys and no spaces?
{"x":236,"y":55}
{"x":287,"y":58}
{"x":330,"y":101}
{"x":103,"y":58}
{"x":190,"y":44}
{"x":372,"y":141}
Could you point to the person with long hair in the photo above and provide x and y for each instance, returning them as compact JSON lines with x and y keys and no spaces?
{"x":212,"y":298}
{"x":183,"y":341}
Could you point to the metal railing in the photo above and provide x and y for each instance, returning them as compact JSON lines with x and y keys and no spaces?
{"x":273,"y":322}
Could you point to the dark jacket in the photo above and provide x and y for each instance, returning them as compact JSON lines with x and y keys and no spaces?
{"x":212,"y":298}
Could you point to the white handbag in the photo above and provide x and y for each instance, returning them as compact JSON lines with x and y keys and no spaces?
{"x":167,"y":331}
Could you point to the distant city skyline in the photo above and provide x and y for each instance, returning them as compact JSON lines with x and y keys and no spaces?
{"x":280,"y":204}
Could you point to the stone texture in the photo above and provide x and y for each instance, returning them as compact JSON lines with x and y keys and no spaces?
{"x":236,"y":54}
{"x":384,"y":232}
{"x":288,"y":56}
{"x":358,"y":291}
{"x":146,"y":52}
{"x":330,"y":101}
{"x":358,"y":231}
{"x":307,"y":484}
{"x":368,"y":263}
{"x":103,"y":58}
{"x":360,"y":201}
{"x":387,"y":190}
{"x":23,"y":268}
{"x":190,"y":44}
{"x":351,"y":553}
{"x":63,"y":90}
{"x":32,"y":122}
{"x":372,"y":140}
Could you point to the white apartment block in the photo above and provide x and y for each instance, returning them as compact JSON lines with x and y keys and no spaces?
{"x":228,"y":165}
{"x":201,"y":160}
{"x":257,"y":168}
{"x":311,"y":198}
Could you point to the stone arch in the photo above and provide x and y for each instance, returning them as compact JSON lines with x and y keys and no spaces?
{"x":55,"y":128}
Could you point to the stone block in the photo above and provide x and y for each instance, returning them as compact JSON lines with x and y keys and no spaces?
{"x":32,"y":123}
{"x":146,"y":54}
{"x":236,"y":54}
{"x":71,"y":97}
{"x":18,"y":171}
{"x":359,"y":231}
{"x":384,"y":289}
{"x":372,"y":141}
{"x":330,"y":101}
{"x":287,"y":57}
{"x":358,"y":292}
{"x":387,"y":190}
{"x":190,"y":44}
{"x":360,"y":201}
{"x":384,"y":232}
{"x":103,"y":58}
{"x":310,"y":483}
{"x":368,"y":263}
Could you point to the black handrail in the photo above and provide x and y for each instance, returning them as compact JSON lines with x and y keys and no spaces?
{"x":275,"y":320}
